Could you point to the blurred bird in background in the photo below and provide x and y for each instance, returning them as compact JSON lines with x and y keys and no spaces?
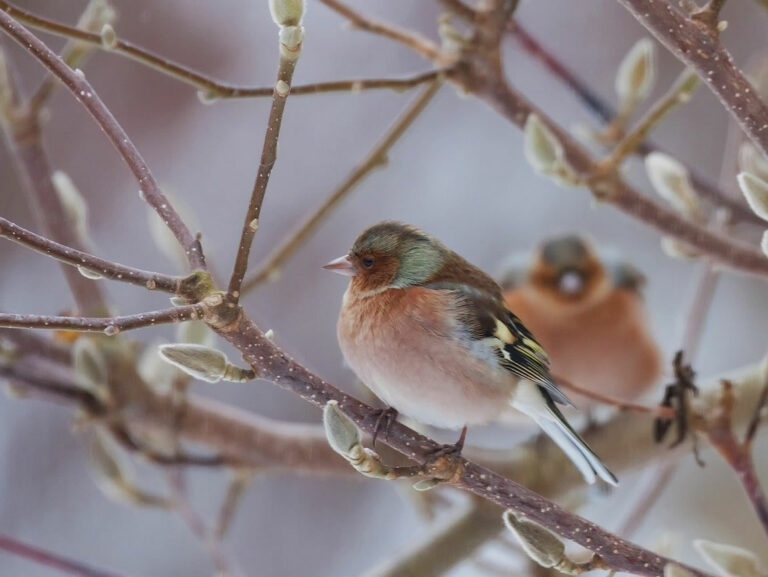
{"x":588,"y":313}
{"x":429,"y":334}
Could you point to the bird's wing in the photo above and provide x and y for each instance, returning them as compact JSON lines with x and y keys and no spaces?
{"x":484,"y":320}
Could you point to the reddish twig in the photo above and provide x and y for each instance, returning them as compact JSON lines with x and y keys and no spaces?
{"x":58,"y":562}
{"x":86,"y":95}
{"x":407,"y":38}
{"x":658,"y":411}
{"x":108,"y":325}
{"x":96,"y":265}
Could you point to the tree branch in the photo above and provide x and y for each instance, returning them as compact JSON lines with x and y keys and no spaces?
{"x":285,"y":69}
{"x":86,"y":95}
{"x":274,"y":365}
{"x":375,"y":158}
{"x":696,"y":45}
{"x":606,"y":113}
{"x":108,"y":325}
{"x":209,"y":87}
{"x":58,"y":562}
{"x":93,"y":264}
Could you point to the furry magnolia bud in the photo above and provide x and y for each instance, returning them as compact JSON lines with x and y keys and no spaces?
{"x":675,"y":570}
{"x":755,"y":190}
{"x":198,"y":361}
{"x":728,"y":560}
{"x":286,"y":12}
{"x":751,"y":160}
{"x":542,"y":148}
{"x":91,"y":367}
{"x":75,"y":206}
{"x":539,"y":543}
{"x":343,"y":434}
{"x":636,"y":74}
{"x":671,"y":181}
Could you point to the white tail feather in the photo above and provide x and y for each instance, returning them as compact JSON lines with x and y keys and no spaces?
{"x":530,"y":400}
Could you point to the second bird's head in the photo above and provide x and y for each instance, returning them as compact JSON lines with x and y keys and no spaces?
{"x":390,"y":255}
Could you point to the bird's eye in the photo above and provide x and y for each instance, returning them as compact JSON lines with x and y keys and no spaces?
{"x":367,"y":262}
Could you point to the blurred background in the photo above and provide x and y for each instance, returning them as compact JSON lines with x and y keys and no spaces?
{"x":459,"y":172}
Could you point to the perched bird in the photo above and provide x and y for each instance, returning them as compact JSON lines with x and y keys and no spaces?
{"x":430,"y":335}
{"x":588,"y":313}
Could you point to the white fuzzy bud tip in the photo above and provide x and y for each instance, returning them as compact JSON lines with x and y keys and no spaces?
{"x":286,"y":12}
{"x":341,"y":431}
{"x":755,"y":190}
{"x":254,"y":225}
{"x":671,"y":181}
{"x":539,"y":543}
{"x":108,"y":37}
{"x":751,"y":160}
{"x":764,"y":243}
{"x":728,"y":560}
{"x":636,"y":74}
{"x":111,"y":330}
{"x":542,"y":148}
{"x":89,"y":273}
{"x":675,"y":570}
{"x":282,"y":88}
{"x":270,"y":335}
{"x":207,"y":96}
{"x":198,"y":361}
{"x":291,"y":38}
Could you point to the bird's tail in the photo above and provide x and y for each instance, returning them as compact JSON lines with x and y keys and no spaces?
{"x":535,"y":402}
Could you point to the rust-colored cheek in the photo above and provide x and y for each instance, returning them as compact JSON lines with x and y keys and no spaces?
{"x":381,"y":275}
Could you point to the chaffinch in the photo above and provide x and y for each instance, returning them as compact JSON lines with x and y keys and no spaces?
{"x":429,"y":333}
{"x":589,"y":314}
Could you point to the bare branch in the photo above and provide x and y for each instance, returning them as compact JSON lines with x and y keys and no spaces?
{"x":110,"y":326}
{"x":58,"y":562}
{"x":86,"y":95}
{"x":413,"y":41}
{"x":210,"y":87}
{"x":375,"y":158}
{"x":285,"y":69}
{"x":96,"y":265}
{"x":696,"y":45}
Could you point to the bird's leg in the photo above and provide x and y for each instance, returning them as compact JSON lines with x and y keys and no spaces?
{"x":384,"y":421}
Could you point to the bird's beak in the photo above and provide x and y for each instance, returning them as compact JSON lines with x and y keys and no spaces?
{"x":342,"y":265}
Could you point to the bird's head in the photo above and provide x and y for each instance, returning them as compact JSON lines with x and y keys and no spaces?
{"x":390,"y":255}
{"x":568,"y":270}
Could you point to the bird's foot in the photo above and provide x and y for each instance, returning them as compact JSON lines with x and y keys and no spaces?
{"x":384,"y":421}
{"x":450,"y":450}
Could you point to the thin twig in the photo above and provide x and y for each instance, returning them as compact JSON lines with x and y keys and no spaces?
{"x":42,"y":557}
{"x":375,"y":158}
{"x":86,"y":95}
{"x":694,"y":44}
{"x":210,"y":87}
{"x":719,"y":430}
{"x":238,"y":485}
{"x":663,"y":412}
{"x":197,"y":524}
{"x":679,"y":93}
{"x":605,"y":112}
{"x":23,"y":129}
{"x":92,"y":264}
{"x":285,"y":69}
{"x":757,"y":416}
{"x":413,"y":41}
{"x":654,"y":483}
{"x":108,"y":325}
